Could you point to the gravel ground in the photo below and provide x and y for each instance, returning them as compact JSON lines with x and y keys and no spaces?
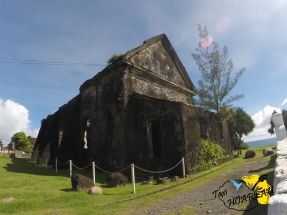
{"x":201,"y":198}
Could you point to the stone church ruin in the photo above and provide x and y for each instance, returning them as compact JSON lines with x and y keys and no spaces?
{"x":137,"y":110}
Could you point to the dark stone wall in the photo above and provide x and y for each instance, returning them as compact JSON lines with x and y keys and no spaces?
{"x":159,"y":57}
{"x":166,"y":116}
{"x":102,"y":104}
{"x":154,"y":60}
{"x":141,"y":82}
{"x":59,"y":134}
{"x":44,"y":137}
{"x":54,"y":137}
{"x":62,"y":134}
{"x":199,"y":124}
{"x":42,"y":146}
{"x":68,"y":130}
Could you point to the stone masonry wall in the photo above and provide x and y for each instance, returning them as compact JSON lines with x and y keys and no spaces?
{"x":278,"y":202}
{"x":202,"y":124}
{"x":68,"y":128}
{"x":102,"y":104}
{"x":141,"y":112}
{"x":42,"y":146}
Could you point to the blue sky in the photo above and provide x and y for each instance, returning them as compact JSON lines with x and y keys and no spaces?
{"x":89,"y":32}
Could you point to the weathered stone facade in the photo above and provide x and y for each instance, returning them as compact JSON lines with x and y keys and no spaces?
{"x":138,"y":108}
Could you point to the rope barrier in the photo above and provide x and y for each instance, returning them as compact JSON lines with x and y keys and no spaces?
{"x":159,"y":171}
{"x":144,"y":170}
{"x":90,"y":165}
{"x":82,"y":168}
{"x":63,"y":163}
{"x":112,"y":172}
{"x":131,"y":165}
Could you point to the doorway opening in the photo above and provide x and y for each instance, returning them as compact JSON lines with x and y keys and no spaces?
{"x":154,"y":139}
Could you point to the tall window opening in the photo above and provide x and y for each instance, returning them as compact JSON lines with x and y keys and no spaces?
{"x":109,"y":137}
{"x":154,"y":139}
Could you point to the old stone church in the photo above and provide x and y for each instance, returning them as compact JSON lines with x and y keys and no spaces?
{"x":137,"y":109}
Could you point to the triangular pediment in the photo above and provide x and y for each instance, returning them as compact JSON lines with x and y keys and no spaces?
{"x":158,"y":56}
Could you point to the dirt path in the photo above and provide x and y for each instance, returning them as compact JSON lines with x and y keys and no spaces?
{"x":201,"y":200}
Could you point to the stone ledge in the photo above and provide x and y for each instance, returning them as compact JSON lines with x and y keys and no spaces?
{"x":280,"y":174}
{"x":278,"y":204}
{"x":281,"y":187}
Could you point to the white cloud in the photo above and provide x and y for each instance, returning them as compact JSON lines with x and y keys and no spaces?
{"x":262,"y":124}
{"x":284,"y":102}
{"x":13,"y":119}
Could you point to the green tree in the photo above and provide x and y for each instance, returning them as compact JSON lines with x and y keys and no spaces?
{"x":9,"y":146}
{"x":239,"y":123}
{"x":32,"y":141}
{"x":21,"y":142}
{"x":113,"y":58}
{"x":216,"y":84}
{"x":243,"y":122}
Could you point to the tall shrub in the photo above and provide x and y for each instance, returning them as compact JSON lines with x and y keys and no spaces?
{"x":211,"y":154}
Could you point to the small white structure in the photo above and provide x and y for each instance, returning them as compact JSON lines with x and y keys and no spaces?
{"x":279,"y":126}
{"x":278,"y":203}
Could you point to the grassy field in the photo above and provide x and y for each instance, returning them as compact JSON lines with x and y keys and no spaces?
{"x":39,"y":190}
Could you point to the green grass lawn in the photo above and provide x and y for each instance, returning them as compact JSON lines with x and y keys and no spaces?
{"x":39,"y":190}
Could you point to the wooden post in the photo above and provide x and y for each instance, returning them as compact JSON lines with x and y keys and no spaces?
{"x":133,"y":177}
{"x":46,"y":162}
{"x":183,"y":167}
{"x":94,"y":174}
{"x":70,"y":168}
{"x":56,"y":164}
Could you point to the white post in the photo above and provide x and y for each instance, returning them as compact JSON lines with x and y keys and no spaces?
{"x":56,"y":165}
{"x":183,"y":167}
{"x":133,"y":177}
{"x":279,"y":126}
{"x":94,"y":174}
{"x":70,"y":168}
{"x":46,"y":162}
